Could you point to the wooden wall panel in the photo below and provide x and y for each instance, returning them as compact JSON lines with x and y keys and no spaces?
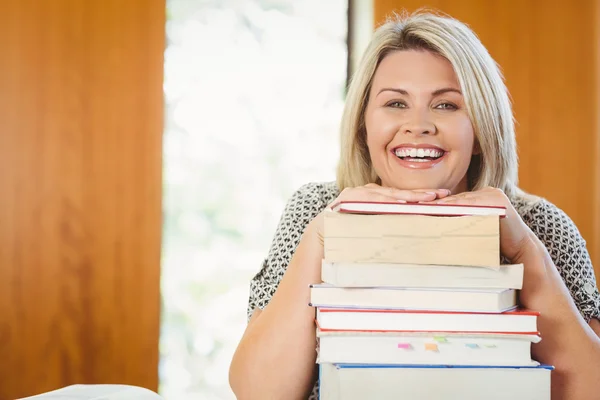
{"x":549,"y":52}
{"x":81,"y":121}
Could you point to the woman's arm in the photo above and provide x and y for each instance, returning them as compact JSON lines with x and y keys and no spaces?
{"x":276,"y":356}
{"x":568,"y":342}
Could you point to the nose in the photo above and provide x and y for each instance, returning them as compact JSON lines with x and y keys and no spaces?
{"x":419,"y":123}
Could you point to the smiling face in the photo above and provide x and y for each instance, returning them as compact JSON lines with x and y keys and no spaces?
{"x":418,"y":130}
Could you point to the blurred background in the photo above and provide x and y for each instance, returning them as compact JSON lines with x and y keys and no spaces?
{"x":148,"y":147}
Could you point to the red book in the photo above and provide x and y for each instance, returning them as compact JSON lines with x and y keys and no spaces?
{"x":446,"y":210}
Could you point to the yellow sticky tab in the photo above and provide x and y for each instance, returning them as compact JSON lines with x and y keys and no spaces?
{"x":440,"y":339}
{"x":431,"y":347}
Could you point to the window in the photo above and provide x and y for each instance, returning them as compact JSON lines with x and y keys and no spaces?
{"x":254,"y":92}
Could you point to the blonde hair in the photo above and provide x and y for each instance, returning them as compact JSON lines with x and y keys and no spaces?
{"x":481,"y":83}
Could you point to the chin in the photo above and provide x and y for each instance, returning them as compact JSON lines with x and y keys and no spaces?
{"x":421,"y":185}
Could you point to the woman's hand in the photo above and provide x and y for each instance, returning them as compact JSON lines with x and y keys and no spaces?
{"x":514,"y":233}
{"x":517,"y":241}
{"x":374,"y":192}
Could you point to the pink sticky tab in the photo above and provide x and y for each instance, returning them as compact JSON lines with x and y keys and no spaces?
{"x":405,"y":346}
{"x":431,"y":347}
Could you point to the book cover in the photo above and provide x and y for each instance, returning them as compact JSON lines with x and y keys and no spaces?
{"x":98,"y":392}
{"x":426,"y":382}
{"x":427,"y":348}
{"x":352,"y":274}
{"x":432,"y":299}
{"x":412,"y":239}
{"x":447,"y":210}
{"x":382,"y":320}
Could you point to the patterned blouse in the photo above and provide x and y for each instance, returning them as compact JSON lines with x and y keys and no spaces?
{"x":549,"y":223}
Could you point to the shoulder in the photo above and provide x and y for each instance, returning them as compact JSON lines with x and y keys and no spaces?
{"x":548,"y":221}
{"x":319,"y":190}
{"x":311,"y":197}
{"x":301,"y":208}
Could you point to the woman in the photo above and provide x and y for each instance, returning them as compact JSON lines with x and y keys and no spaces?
{"x":427,"y":119}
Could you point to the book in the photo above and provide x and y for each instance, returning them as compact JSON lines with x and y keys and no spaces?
{"x":412,"y":239}
{"x":375,"y":207}
{"x":432,"y":299}
{"x":347,"y":319}
{"x":349,"y":274}
{"x":98,"y":392}
{"x":425,"y":348}
{"x":389,"y":382}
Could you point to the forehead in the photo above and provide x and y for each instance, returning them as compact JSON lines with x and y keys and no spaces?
{"x":415,"y":68}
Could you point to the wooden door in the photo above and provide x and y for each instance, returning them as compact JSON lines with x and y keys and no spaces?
{"x":81,"y":117}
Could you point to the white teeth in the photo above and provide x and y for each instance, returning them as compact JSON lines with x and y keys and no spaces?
{"x":420,"y":153}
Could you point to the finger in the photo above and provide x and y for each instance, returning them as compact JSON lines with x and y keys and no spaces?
{"x":453,"y":200}
{"x":470,"y":199}
{"x":385,"y":194}
{"x":440,"y":193}
{"x":372,"y":185}
{"x":377,"y":197}
{"x":457,"y":198}
{"x":363,"y":194}
{"x":406,"y":195}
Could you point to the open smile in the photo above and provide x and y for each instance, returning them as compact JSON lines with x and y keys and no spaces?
{"x":419,"y":156}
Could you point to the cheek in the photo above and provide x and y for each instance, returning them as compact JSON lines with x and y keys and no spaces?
{"x":381,"y":129}
{"x":462,"y":139}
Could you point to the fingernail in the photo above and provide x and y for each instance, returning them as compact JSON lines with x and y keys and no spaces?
{"x":401,"y":201}
{"x":432,"y":193}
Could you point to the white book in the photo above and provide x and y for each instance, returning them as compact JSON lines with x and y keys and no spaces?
{"x":425,"y":348}
{"x":472,"y":300}
{"x":413,"y":275}
{"x":350,"y":319}
{"x":359,"y":382}
{"x":98,"y":392}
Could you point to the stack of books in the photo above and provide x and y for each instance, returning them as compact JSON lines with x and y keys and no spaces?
{"x":415,"y":304}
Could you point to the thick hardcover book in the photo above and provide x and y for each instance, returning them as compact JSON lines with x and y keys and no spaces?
{"x":412,"y":239}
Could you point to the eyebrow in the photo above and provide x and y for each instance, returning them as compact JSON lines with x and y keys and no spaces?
{"x":434,"y":93}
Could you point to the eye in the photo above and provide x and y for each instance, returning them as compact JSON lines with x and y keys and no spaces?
{"x":446,"y":106}
{"x":396,"y":104}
